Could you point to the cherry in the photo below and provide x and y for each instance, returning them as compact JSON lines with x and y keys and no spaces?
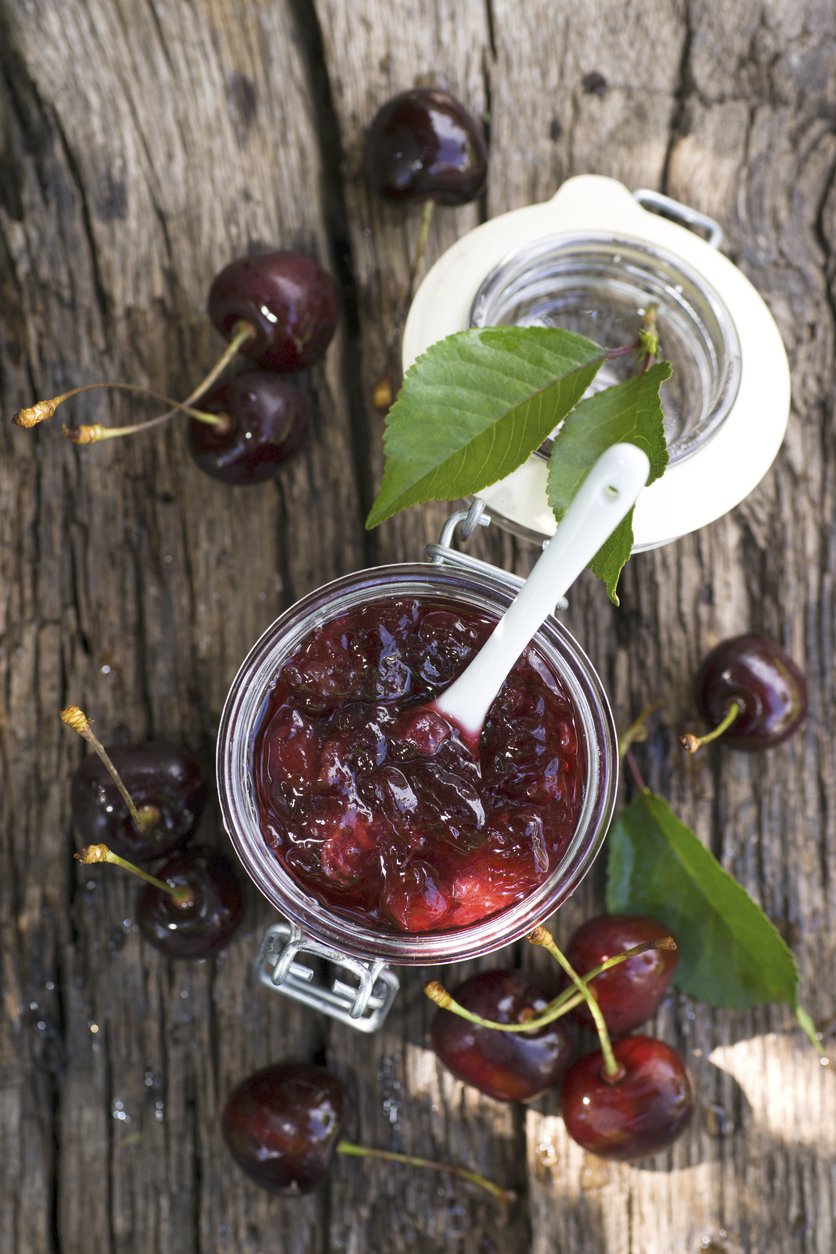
{"x":627,"y":994}
{"x":424,"y":145}
{"x":509,"y":1067}
{"x":287,"y":297}
{"x":639,"y":1111}
{"x":267,"y":420}
{"x":283,"y":1124}
{"x":205,"y":918}
{"x":144,"y":800}
{"x":751,"y":692}
{"x":190,"y":913}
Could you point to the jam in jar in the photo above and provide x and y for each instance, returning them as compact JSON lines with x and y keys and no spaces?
{"x":379,"y":806}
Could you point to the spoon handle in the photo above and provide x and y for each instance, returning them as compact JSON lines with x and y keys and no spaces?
{"x":604,"y":498}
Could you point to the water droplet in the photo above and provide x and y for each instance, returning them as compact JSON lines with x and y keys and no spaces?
{"x":106,"y":669}
{"x":118,"y":1111}
{"x":546,"y":1153}
{"x":159,"y":1111}
{"x":33,"y":1005}
{"x":41,"y":1025}
{"x":168,"y":558}
{"x":49,"y":986}
{"x":149,"y":1078}
{"x":94,"y":1027}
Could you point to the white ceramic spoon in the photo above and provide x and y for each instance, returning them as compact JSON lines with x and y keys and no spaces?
{"x":604,"y":498}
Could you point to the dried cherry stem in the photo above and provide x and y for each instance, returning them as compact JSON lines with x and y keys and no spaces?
{"x":556,"y":1009}
{"x":636,"y":733}
{"x":461,"y":1173}
{"x":382,"y":394}
{"x":145,"y":818}
{"x":181,"y":894}
{"x":41,"y":410}
{"x":613,"y":1071}
{"x":103,"y":433}
{"x":691,"y":743}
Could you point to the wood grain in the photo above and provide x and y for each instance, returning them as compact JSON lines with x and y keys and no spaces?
{"x":144,"y":144}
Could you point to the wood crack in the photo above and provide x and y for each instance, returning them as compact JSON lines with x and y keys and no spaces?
{"x":339,"y":235}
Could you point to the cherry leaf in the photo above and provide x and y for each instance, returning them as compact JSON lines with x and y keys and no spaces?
{"x":631,"y":412}
{"x":474,"y":407}
{"x":730,"y":954}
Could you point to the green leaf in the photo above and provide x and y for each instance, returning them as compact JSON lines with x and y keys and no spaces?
{"x":730,"y":954}
{"x":474,"y":407}
{"x":631,"y":412}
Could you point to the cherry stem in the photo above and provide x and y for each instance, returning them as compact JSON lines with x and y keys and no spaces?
{"x":649,"y":337}
{"x":556,"y":1009}
{"x":808,"y":1027}
{"x":691,"y":743}
{"x":462,"y":1173}
{"x":382,"y":393}
{"x":610,"y":354}
{"x":636,"y":775}
{"x":636,"y":733}
{"x":613,"y":1071}
{"x":145,"y":817}
{"x":181,"y":893}
{"x":41,"y":410}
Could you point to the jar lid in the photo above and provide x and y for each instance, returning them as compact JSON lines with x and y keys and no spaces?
{"x":585,"y":260}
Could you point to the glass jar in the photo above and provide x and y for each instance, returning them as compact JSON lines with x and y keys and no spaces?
{"x":312,"y":928}
{"x":590,"y":260}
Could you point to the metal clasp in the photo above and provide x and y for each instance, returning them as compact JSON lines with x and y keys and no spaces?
{"x":684,"y":215}
{"x":468,"y":520}
{"x":363,"y":1002}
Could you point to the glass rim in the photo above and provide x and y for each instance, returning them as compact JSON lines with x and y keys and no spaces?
{"x":245,"y":703}
{"x":512,"y":268}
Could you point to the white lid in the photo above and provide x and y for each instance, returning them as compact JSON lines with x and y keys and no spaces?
{"x":721,"y":472}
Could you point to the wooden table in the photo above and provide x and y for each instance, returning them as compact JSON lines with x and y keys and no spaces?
{"x":145,"y":144}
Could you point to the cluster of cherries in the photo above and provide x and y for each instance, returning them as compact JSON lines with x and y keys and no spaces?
{"x":281,"y":309}
{"x":143,"y":802}
{"x":502,"y":1034}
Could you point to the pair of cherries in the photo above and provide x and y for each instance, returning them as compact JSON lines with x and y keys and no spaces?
{"x":140,"y":803}
{"x":280,"y":309}
{"x":641,"y":1106}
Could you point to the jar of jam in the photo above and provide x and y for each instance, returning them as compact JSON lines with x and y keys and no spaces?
{"x":590,"y":260}
{"x":380,"y":835}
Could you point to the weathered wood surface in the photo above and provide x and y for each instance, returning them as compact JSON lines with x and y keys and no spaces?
{"x":144,"y":144}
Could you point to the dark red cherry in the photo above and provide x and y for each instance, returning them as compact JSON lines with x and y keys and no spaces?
{"x":165,"y":777}
{"x":509,"y":1066}
{"x":289,"y":299}
{"x":641,"y":1113}
{"x":629,"y":993}
{"x":282,"y":1126}
{"x":767,"y":685}
{"x":424,"y":145}
{"x":268,"y":418}
{"x":208,"y":922}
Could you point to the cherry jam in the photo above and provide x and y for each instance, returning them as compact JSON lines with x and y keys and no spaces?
{"x":381,"y":808}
